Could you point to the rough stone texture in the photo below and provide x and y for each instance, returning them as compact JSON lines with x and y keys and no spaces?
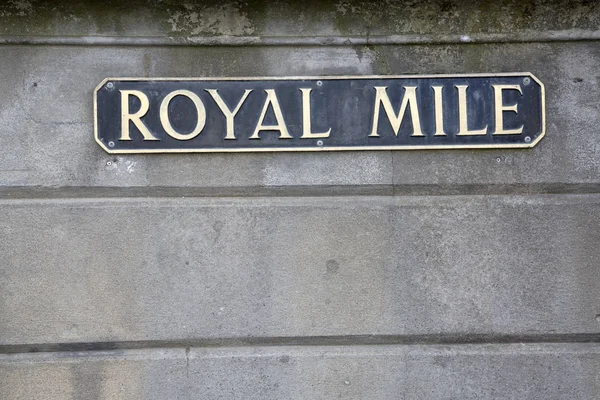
{"x":123,"y":270}
{"x":46,"y":119}
{"x":286,"y":18}
{"x":482,"y":372}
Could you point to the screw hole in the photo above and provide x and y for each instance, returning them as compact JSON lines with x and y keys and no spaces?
{"x":526,"y":81}
{"x":111,"y":144}
{"x":319,"y":83}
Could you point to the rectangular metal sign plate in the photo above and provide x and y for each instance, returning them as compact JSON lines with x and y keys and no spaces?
{"x":145,"y":115}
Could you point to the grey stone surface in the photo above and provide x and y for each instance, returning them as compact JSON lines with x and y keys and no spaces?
{"x":46,"y":133}
{"x":192,"y":269}
{"x":288,"y":18}
{"x":482,"y":372}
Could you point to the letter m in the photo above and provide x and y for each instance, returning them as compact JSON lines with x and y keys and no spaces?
{"x":409,"y":99}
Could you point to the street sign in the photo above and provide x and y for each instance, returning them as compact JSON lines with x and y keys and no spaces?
{"x":185,"y":115}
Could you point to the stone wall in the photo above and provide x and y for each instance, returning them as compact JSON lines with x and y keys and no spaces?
{"x":456,"y":274}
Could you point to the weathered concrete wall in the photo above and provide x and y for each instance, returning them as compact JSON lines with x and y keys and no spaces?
{"x":358,"y":275}
{"x":131,"y":270}
{"x":264,"y":18}
{"x":470,"y":372}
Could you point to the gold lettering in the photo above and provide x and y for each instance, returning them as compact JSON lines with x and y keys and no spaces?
{"x":463,"y":123}
{"x":229,"y":115}
{"x":271,"y":100}
{"x":439,"y":113}
{"x":409,"y":99}
{"x":306,"y":130}
{"x":499,"y":109}
{"x":136,"y":117}
{"x":164,"y":115}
